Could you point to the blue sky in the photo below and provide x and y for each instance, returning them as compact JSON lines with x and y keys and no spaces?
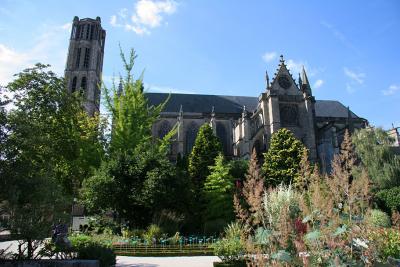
{"x":350,"y":49}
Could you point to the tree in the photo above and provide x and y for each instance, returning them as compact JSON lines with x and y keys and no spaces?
{"x":248,"y":201}
{"x":373,"y":148}
{"x":132,"y":116}
{"x":218,"y":193}
{"x":282,"y":160}
{"x":137,"y":185}
{"x":305,"y":172}
{"x":206,"y":148}
{"x":51,"y":146}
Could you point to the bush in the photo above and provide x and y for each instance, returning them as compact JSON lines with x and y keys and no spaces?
{"x":89,"y":249}
{"x":231,"y":248}
{"x":153,"y":232}
{"x":387,"y":242}
{"x":378,"y":218}
{"x":389,"y":199}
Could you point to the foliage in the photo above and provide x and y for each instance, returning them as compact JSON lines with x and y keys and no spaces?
{"x":303,"y":177}
{"x":389,"y":198}
{"x":373,"y":146}
{"x":132,"y":116}
{"x":206,"y":148}
{"x":322,"y":225}
{"x":153,"y":233}
{"x":238,"y":168}
{"x":282,"y":160}
{"x":51,"y":146}
{"x":231,"y":248}
{"x":248,"y":201}
{"x":137,"y":186}
{"x":90,"y":249}
{"x":387,"y":242}
{"x":377,"y":218}
{"x":218,"y":192}
{"x":170,"y":221}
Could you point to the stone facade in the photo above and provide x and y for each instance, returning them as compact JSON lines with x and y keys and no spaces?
{"x":247,"y":123}
{"x":85,"y":60}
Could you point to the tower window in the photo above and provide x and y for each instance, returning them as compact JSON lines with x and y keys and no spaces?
{"x":73,"y":87}
{"x":83,"y":84}
{"x":87,"y":57}
{"x":91,"y":31}
{"x":78,"y":32}
{"x":87,"y":31}
{"x":73,"y":33}
{"x":82,"y":31}
{"x":78,"y":57}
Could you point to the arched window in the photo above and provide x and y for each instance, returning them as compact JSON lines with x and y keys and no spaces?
{"x":191,"y":134}
{"x":73,"y":87}
{"x":83,"y":84}
{"x":164,"y":129}
{"x":221,"y":134}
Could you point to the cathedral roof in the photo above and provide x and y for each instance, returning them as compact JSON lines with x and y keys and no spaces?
{"x":234,"y":104}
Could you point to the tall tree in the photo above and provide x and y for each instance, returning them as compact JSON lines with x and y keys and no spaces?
{"x":51,"y":146}
{"x":282,"y":160}
{"x":218,"y":193}
{"x":132,"y":116}
{"x":373,"y":146}
{"x":206,"y":148}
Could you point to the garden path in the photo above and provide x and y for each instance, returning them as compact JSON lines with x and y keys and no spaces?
{"x":196,"y":261}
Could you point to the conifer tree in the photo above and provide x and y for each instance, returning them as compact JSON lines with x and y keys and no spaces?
{"x":206,"y":148}
{"x":304,"y":175}
{"x":282,"y":160}
{"x":218,"y":193}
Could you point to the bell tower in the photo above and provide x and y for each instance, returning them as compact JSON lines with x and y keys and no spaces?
{"x":85,"y":61}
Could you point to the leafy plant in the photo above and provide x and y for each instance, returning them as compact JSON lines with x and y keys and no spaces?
{"x":389,"y":198}
{"x":378,"y":218}
{"x":387,"y":242}
{"x":231,"y":248}
{"x":153,"y":233}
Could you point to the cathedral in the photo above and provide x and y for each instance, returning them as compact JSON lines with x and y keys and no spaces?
{"x":242,"y":123}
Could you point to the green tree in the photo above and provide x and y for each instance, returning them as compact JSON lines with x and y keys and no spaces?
{"x":282,"y":160}
{"x":137,"y":185}
{"x":50,"y":147}
{"x":373,"y":148}
{"x":206,"y":147}
{"x":132,"y":116}
{"x":218,"y":193}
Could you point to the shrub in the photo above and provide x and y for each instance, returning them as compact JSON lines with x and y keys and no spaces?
{"x":387,"y":242}
{"x":389,"y":198}
{"x":231,"y":248}
{"x":89,"y":249}
{"x":153,"y":232}
{"x":378,"y":218}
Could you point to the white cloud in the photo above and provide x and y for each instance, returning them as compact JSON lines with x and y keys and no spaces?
{"x":147,"y":14}
{"x":50,"y":48}
{"x":295,"y":66}
{"x":354,"y":76}
{"x":391,"y":90}
{"x":318,"y":83}
{"x":166,"y":89}
{"x":269,"y":56}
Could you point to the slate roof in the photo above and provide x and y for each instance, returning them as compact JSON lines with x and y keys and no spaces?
{"x":234,"y":104}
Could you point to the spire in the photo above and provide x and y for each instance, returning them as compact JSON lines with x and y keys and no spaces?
{"x":267,"y":79}
{"x":305,"y":85}
{"x":300,"y":81}
{"x":244,"y":112}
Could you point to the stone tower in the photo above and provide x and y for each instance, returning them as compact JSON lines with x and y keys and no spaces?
{"x":85,"y":61}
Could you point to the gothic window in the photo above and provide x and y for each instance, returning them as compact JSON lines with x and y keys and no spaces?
{"x":78,"y":57}
{"x":78,"y":31}
{"x":257,"y":146}
{"x":84,"y":84}
{"x":221,"y":133}
{"x":87,"y":31}
{"x":87,"y":57}
{"x":73,"y":87}
{"x":191,"y":134}
{"x":289,"y":115}
{"x":82,"y":31}
{"x":91,"y":31}
{"x":164,"y":129}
